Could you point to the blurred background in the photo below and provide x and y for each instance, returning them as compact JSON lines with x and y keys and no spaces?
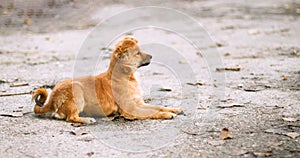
{"x":53,"y":15}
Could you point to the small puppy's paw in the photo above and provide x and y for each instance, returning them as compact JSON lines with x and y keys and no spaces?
{"x":92,"y":120}
{"x":173,"y":115}
{"x":89,"y":120}
{"x":177,"y":111}
{"x":181,"y":112}
{"x":169,"y":115}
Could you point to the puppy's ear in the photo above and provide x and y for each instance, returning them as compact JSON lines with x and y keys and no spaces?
{"x":132,"y":38}
{"x":124,"y":45}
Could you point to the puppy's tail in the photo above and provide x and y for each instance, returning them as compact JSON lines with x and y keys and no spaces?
{"x":40,"y":97}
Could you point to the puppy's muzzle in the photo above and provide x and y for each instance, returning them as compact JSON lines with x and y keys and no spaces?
{"x":146,"y":61}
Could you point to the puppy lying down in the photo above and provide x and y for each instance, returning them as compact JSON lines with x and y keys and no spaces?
{"x":114,"y":92}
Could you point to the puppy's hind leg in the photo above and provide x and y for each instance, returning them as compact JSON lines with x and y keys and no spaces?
{"x":75,"y":106}
{"x":73,"y":115}
{"x":58,"y":115}
{"x":85,"y":120}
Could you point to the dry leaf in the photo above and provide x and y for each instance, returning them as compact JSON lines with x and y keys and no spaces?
{"x":284,"y":78}
{"x":290,"y":119}
{"x":292,"y":134}
{"x":79,"y":132}
{"x":27,"y":21}
{"x":225,"y":134}
{"x":200,"y":83}
{"x":90,"y":154}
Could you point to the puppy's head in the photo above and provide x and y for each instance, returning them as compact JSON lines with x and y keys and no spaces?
{"x":129,"y":55}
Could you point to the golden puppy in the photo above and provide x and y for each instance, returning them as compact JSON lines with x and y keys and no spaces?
{"x":115,"y":91}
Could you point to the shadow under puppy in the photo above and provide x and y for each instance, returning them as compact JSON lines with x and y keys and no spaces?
{"x":113,"y":92}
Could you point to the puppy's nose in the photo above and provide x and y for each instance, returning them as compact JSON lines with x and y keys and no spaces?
{"x":150,"y":56}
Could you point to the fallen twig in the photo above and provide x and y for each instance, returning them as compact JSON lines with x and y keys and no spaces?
{"x":19,"y":84}
{"x":292,"y":135}
{"x":12,"y":114}
{"x":237,"y":68}
{"x":13,"y":94}
{"x":230,"y":105}
{"x":196,"y":84}
{"x":165,"y":89}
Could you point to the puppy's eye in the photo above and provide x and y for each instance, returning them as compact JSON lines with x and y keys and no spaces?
{"x":138,"y":53}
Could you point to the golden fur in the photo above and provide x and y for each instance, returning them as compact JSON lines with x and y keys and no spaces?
{"x":115,"y":91}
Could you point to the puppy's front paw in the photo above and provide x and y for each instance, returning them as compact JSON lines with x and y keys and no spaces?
{"x":169,"y":115}
{"x":177,"y":111}
{"x":173,"y":115}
